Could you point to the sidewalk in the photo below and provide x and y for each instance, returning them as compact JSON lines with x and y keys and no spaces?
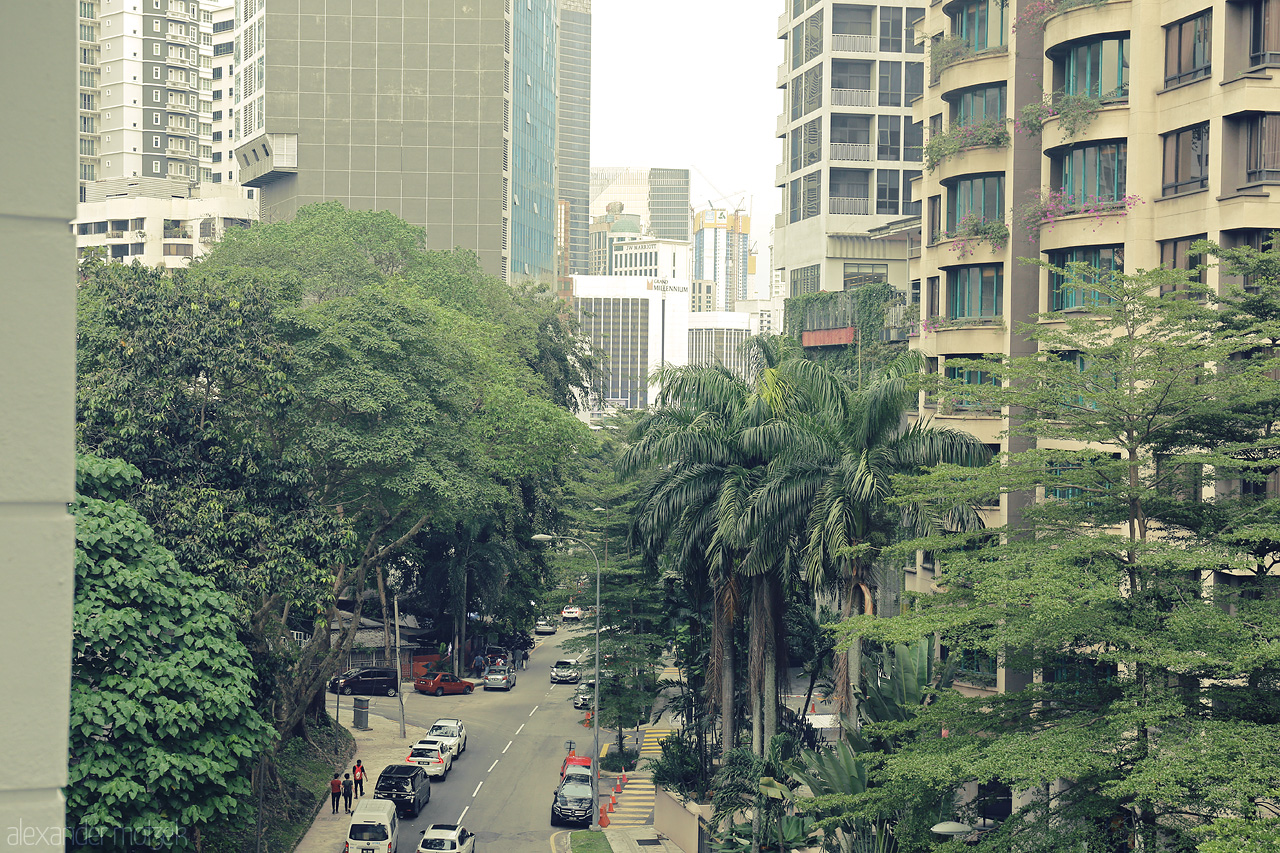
{"x":638,"y":839}
{"x":377,"y":748}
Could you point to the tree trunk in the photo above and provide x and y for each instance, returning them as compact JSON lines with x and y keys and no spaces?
{"x":386,"y":615}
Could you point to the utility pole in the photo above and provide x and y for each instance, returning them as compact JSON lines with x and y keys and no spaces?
{"x":399,"y":673}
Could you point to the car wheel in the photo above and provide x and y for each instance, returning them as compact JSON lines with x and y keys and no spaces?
{"x":554,"y":822}
{"x":439,"y":691}
{"x":444,"y":775}
{"x":391,"y":691}
{"x":466,"y":691}
{"x":346,"y":691}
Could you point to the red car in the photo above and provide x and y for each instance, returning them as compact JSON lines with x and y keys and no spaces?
{"x":440,"y":683}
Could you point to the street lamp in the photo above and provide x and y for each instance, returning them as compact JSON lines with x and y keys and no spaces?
{"x":595,"y":714}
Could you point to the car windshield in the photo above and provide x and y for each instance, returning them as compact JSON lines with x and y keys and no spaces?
{"x":564,"y":664}
{"x":438,"y":844}
{"x":351,"y":673}
{"x":396,"y":784}
{"x":368,"y":832}
{"x":578,"y":778}
{"x":575,"y":795}
{"x":445,"y":731}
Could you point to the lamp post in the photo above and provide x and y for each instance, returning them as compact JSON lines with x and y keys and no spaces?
{"x":595,"y":713}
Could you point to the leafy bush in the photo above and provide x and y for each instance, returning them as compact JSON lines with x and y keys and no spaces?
{"x":972,"y":229}
{"x":1075,"y":112}
{"x":677,"y":769}
{"x":990,"y":133}
{"x":620,"y":760}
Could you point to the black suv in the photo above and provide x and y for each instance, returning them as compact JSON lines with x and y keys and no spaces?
{"x":572,"y":801}
{"x":406,"y":785}
{"x":366,"y":681}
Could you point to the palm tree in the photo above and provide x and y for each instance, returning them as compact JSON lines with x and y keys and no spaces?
{"x":707,"y":473}
{"x":830,"y":476}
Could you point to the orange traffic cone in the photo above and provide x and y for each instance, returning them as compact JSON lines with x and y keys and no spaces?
{"x":813,"y":707}
{"x":604,"y":818}
{"x":624,"y":777}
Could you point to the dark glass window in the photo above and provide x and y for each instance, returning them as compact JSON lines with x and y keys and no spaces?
{"x":910,"y":207}
{"x":1264,"y":32}
{"x":806,"y":145}
{"x":913,"y":81}
{"x":850,"y":74}
{"x":1099,"y":69}
{"x":852,"y":20}
{"x":976,"y":21}
{"x":890,"y":84}
{"x":913,"y":17}
{"x":975,"y":291}
{"x":1187,"y":48}
{"x":889,"y":140}
{"x":981,"y":196}
{"x":1177,"y":255}
{"x":933,"y":229}
{"x":1062,"y":296}
{"x":851,"y":128}
{"x":856,"y":275}
{"x":1262,"y":159}
{"x":913,"y":141}
{"x":888,"y":190}
{"x":980,"y":104}
{"x":850,"y":183}
{"x":1094,"y":171}
{"x":806,"y":280}
{"x":891,"y":29}
{"x":1186,"y":160}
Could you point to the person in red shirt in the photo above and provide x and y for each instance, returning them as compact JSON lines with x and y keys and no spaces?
{"x":335,"y":791}
{"x":357,"y":776}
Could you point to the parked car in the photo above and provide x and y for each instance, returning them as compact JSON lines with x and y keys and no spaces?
{"x":565,"y":671}
{"x":447,"y":836}
{"x":500,"y":677}
{"x":571,"y":611}
{"x":574,"y":760}
{"x":366,"y":681}
{"x":440,"y":683}
{"x":544,"y":626}
{"x":571,"y":803}
{"x":432,"y":756}
{"x":375,"y":827}
{"x":406,"y":785}
{"x":451,"y":732}
{"x":584,"y":694}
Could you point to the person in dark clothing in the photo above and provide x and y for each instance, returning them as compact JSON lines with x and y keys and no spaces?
{"x":357,"y":776}
{"x":335,"y":791}
{"x":524,"y":659}
{"x":477,"y":666}
{"x":346,"y":791}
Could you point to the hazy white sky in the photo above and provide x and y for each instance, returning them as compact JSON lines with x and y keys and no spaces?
{"x":691,"y":84}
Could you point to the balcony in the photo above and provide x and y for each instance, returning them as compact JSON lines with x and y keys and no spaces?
{"x":849,"y":43}
{"x":780,"y":173}
{"x":1080,"y":20}
{"x":784,"y":74}
{"x":860,"y":151}
{"x":784,"y":21}
{"x":847,"y":206}
{"x":853,"y":98}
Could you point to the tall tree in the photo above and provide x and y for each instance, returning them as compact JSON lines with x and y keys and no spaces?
{"x":1154,"y":640}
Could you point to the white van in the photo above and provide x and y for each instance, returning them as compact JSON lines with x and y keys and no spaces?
{"x":375,"y":828}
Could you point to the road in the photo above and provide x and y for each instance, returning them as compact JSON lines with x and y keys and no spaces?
{"x":501,"y":787}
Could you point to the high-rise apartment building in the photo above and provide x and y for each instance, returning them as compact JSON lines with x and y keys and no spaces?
{"x":608,"y":229}
{"x":573,"y":129}
{"x":441,"y":113}
{"x":659,"y":196}
{"x":851,"y":145}
{"x":143,"y":111}
{"x":722,"y":253}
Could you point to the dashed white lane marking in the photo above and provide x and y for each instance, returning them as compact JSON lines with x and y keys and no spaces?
{"x":508,"y":746}
{"x":476,"y":791}
{"x":464,"y":814}
{"x":535,"y":708}
{"x":491,"y":766}
{"x":520,"y":729}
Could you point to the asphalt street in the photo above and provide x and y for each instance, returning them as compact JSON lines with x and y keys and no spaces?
{"x":501,"y":787}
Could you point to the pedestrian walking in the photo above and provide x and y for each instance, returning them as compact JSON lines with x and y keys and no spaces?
{"x":357,"y":776}
{"x":335,"y":791}
{"x":477,"y":665}
{"x":346,"y":791}
{"x":524,"y":659}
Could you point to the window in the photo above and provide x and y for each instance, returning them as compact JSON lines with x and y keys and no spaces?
{"x":970,"y":375}
{"x":856,"y":275}
{"x":889,"y":139}
{"x":981,"y":196}
{"x":850,"y":74}
{"x":1262,"y":157}
{"x":975,"y":292}
{"x":932,"y":302}
{"x":909,"y":207}
{"x":888,"y":190}
{"x":978,"y":105}
{"x":1094,"y":171}
{"x":851,"y":129}
{"x":890,"y":84}
{"x":933,"y":229}
{"x":1186,"y":160}
{"x":913,"y":81}
{"x":155,"y":167}
{"x":805,"y":280}
{"x":1099,"y":69}
{"x":806,"y":40}
{"x":891,"y":29}
{"x":223,"y":26}
{"x":976,"y":21}
{"x":806,"y":145}
{"x":223,"y":49}
{"x":850,"y":183}
{"x":217,"y":72}
{"x":804,"y":199}
{"x":913,"y":141}
{"x":1187,"y":48}
{"x":1062,"y":296}
{"x":913,"y":16}
{"x":1264,"y":32}
{"x":155,"y":141}
{"x":806,"y":92}
{"x":852,"y":20}
{"x":1177,"y":255}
